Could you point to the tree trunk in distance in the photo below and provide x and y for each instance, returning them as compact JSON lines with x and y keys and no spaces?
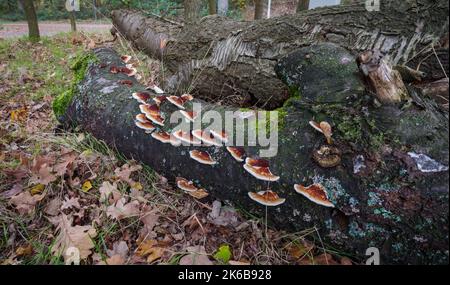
{"x":192,"y":11}
{"x":259,"y":9}
{"x":212,"y":7}
{"x":302,"y":5}
{"x":73,"y":23}
{"x":30,"y":14}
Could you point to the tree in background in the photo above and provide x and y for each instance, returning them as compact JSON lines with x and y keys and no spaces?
{"x":259,"y":9}
{"x":302,"y":5}
{"x":222,"y":7}
{"x":30,"y":14}
{"x":212,"y":7}
{"x":192,"y":10}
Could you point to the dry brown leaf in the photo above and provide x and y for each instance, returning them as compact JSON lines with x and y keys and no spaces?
{"x":124,"y":172}
{"x":53,"y":207}
{"x":119,"y":248}
{"x":25,"y":202}
{"x":78,"y":237}
{"x":70,"y":203}
{"x":106,"y":189}
{"x":24,"y":250}
{"x":150,"y":249}
{"x":197,"y":256}
{"x":43,"y":175}
{"x":121,"y":209}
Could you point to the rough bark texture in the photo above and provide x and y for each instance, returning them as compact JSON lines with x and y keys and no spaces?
{"x":234,"y":61}
{"x":382,"y":196}
{"x":192,"y":11}
{"x":302,"y":5}
{"x":212,"y":7}
{"x":259,"y":9}
{"x":73,"y":23}
{"x":30,"y":14}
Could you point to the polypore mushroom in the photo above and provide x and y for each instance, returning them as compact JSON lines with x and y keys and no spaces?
{"x":148,"y":126}
{"x":262,"y":173}
{"x":256,"y":162}
{"x":186,"y":137}
{"x":125,"y":58}
{"x":327,"y":156}
{"x":128,"y":83}
{"x":165,"y":137}
{"x":315,"y":193}
{"x":185,"y":184}
{"x":199,"y":194}
{"x":152,"y":112}
{"x":222,"y":136}
{"x":155,"y":89}
{"x":205,"y":137}
{"x":189,"y":116}
{"x":128,"y":71}
{"x":324,"y":128}
{"x":141,"y":97}
{"x":159,"y":99}
{"x":266,"y":198}
{"x":141,"y":118}
{"x":177,"y":101}
{"x":237,"y":153}
{"x":186,"y":97}
{"x":156,"y":118}
{"x":202,"y":157}
{"x":114,"y":69}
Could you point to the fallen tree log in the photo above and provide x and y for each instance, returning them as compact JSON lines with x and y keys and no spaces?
{"x":381,"y":182}
{"x":233,"y":61}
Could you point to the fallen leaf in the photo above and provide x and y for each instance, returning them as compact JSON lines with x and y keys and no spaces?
{"x":119,"y":248}
{"x":121,"y":209}
{"x":43,"y":175}
{"x":70,"y":203}
{"x":37,"y":189}
{"x":149,"y":218}
{"x":16,"y":189}
{"x":137,"y":186}
{"x":238,"y":262}
{"x":19,"y":115}
{"x":87,"y":185}
{"x":197,"y":256}
{"x":346,"y":261}
{"x":113,"y":260}
{"x":124,"y":172}
{"x":25,"y":202}
{"x":106,"y":189}
{"x":53,"y":207}
{"x":150,"y":249}
{"x":223,"y":254}
{"x":78,"y":237}
{"x":24,"y":250}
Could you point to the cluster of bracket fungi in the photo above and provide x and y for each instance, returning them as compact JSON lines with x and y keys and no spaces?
{"x":150,"y":117}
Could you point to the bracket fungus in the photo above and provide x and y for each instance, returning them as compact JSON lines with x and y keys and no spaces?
{"x":148,"y":126}
{"x":148,"y":109}
{"x":142,"y":118}
{"x":223,"y":136}
{"x":266,"y":198}
{"x":327,"y":156}
{"x":165,"y":137}
{"x":159,"y":99}
{"x":125,"y":58}
{"x":237,"y":153}
{"x":189,"y":115}
{"x":206,"y":138}
{"x":186,"y":137}
{"x":155,"y":89}
{"x":324,"y":128}
{"x":185,"y":184}
{"x":141,"y":97}
{"x":315,"y":193}
{"x":128,"y":71}
{"x":256,"y":162}
{"x":202,"y":157}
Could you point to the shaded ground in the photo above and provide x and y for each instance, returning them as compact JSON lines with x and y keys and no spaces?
{"x":18,"y":29}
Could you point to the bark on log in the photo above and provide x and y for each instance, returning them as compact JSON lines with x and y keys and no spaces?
{"x":232,"y":60}
{"x":386,"y":193}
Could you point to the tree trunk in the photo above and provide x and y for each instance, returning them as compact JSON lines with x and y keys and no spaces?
{"x":73,"y":23}
{"x":192,"y":11}
{"x":385,"y":193}
{"x":259,"y":9}
{"x":30,"y":14}
{"x":238,"y":58}
{"x":302,"y":5}
{"x":212,"y":7}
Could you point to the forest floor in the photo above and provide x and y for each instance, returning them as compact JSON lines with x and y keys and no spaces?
{"x":60,"y":191}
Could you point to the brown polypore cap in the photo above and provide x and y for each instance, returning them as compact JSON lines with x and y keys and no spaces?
{"x":190,"y":116}
{"x":256,"y":162}
{"x":315,"y":193}
{"x":159,"y":99}
{"x":262,"y":173}
{"x":161,"y":136}
{"x":186,"y":137}
{"x":185,"y":185}
{"x":141,"y":97}
{"x":148,"y":126}
{"x":205,"y":137}
{"x":266,"y":198}
{"x":202,"y":157}
{"x":327,"y":156}
{"x":142,"y":118}
{"x":199,"y":194}
{"x":128,"y":71}
{"x":155,"y":88}
{"x":316,"y":126}
{"x":114,"y":69}
{"x":156,"y":118}
{"x":125,"y":58}
{"x":237,"y":153}
{"x":177,"y":101}
{"x":326,"y":130}
{"x":187,"y":97}
{"x":223,"y":136}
